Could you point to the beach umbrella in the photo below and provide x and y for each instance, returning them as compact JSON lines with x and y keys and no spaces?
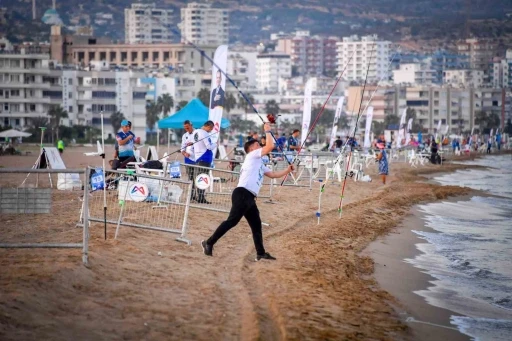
{"x":14,"y":133}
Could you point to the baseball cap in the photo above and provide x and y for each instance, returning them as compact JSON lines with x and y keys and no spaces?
{"x":124,"y":123}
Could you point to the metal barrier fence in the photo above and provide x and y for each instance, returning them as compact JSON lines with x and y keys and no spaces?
{"x":42,"y":216}
{"x":140,"y":201}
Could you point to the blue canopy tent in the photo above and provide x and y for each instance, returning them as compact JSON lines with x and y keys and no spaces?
{"x":195,"y":111}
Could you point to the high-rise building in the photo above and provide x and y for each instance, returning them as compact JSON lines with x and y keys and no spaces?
{"x":146,"y":24}
{"x":202,"y":24}
{"x":270,"y":67}
{"x":357,"y":55}
{"x":501,"y":71}
{"x":479,"y":52}
{"x":310,"y":55}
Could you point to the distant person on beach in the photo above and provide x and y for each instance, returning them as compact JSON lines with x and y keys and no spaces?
{"x":293,"y":142}
{"x":187,"y":150}
{"x":116,"y":144}
{"x":382,"y":158}
{"x":498,"y":141}
{"x":489,"y":145}
{"x":125,"y":138}
{"x":60,"y":146}
{"x":244,"y":196}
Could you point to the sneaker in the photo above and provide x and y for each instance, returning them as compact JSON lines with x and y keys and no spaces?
{"x":207,"y":249}
{"x":266,"y":255}
{"x":203,"y":201}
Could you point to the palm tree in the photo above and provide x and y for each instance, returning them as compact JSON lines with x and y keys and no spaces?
{"x":115,"y":120}
{"x":204,"y":96}
{"x":272,"y":107}
{"x":243,"y":104}
{"x":152,"y":113}
{"x":165,"y":103}
{"x":56,"y":113}
{"x":229,"y":102}
{"x":181,"y":105}
{"x":35,"y":124}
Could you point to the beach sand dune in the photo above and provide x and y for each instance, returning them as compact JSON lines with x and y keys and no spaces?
{"x":320,"y":287}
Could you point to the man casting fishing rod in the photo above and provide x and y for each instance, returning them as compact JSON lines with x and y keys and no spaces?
{"x":244,"y":196}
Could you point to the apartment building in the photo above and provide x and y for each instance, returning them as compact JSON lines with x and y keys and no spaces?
{"x":464,"y":78}
{"x":203,"y":24}
{"x":414,"y":73}
{"x":270,"y":67}
{"x":359,"y":54}
{"x":146,"y":24}
{"x":455,"y":107}
{"x":310,"y":55}
{"x":31,"y":83}
{"x":479,"y":52}
{"x":242,"y":63}
{"x":501,"y":69}
{"x":28,"y":86}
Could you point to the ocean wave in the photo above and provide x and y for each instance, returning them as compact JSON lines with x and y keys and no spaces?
{"x":483,"y":329}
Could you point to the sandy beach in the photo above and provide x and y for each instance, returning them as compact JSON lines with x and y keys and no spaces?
{"x":320,"y":287}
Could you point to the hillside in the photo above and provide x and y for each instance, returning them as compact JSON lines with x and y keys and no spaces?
{"x":439,"y":21}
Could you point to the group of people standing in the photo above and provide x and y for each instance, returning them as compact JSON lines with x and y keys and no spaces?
{"x":197,"y":147}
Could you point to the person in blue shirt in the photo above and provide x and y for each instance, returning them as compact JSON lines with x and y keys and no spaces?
{"x":293,"y":142}
{"x":125,"y":138}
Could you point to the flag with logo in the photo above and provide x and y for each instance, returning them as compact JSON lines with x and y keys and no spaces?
{"x":306,"y":113}
{"x":217,"y":91}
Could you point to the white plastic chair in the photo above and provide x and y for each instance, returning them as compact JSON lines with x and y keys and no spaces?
{"x":330,"y":168}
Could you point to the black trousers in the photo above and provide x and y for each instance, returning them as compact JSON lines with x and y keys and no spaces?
{"x":243,"y":205}
{"x":199,"y":193}
{"x":191,"y":172}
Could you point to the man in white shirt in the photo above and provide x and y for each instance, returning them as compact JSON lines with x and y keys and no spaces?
{"x":203,"y":152}
{"x":244,"y":196}
{"x":187,"y":150}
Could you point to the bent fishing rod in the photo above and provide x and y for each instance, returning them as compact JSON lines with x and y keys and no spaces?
{"x":312,"y":127}
{"x":178,"y":33}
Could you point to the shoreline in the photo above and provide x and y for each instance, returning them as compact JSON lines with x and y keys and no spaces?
{"x":390,"y":252}
{"x":426,"y":322}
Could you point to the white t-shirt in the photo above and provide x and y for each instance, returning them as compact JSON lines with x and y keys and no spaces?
{"x":203,"y":146}
{"x":186,"y":138}
{"x":252,"y":172}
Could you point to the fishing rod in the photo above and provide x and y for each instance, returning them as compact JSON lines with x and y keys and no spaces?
{"x":182,"y":149}
{"x":271,"y":119}
{"x":340,"y":207}
{"x":320,"y":112}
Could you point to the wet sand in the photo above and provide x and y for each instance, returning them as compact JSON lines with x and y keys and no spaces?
{"x":320,"y":287}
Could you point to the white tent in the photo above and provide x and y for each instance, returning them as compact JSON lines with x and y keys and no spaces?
{"x":14,"y":133}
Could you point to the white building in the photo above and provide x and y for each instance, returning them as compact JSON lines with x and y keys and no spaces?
{"x":27,"y":87}
{"x":464,"y":78}
{"x":414,"y":73}
{"x":501,"y":76}
{"x":355,"y":54}
{"x":203,"y":25}
{"x":270,"y":68}
{"x":30,"y":85}
{"x":146,"y":24}
{"x":243,"y":64}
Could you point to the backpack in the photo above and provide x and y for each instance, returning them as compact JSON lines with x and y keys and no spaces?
{"x":152,"y":164}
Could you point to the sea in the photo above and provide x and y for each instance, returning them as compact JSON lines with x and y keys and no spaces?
{"x":469,"y":253}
